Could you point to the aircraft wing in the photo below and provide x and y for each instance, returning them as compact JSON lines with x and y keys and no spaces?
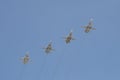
{"x":83,"y":26}
{"x":64,"y":37}
{"x":93,"y":28}
{"x":73,"y":39}
{"x":21,"y":58}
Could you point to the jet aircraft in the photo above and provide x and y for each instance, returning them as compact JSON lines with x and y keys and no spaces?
{"x":49,"y":48}
{"x":26,"y":58}
{"x":69,"y":38}
{"x":89,"y":26}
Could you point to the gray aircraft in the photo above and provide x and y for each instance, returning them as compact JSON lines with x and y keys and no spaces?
{"x":69,"y":38}
{"x":49,"y":48}
{"x":26,"y":58}
{"x":89,"y":26}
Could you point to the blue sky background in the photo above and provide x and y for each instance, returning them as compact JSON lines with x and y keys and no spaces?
{"x":29,"y":25}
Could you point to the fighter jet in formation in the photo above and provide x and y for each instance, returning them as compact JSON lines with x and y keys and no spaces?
{"x":89,"y":26}
{"x":26,"y":58}
{"x":69,"y":38}
{"x":49,"y":48}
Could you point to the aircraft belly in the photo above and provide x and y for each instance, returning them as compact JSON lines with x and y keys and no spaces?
{"x":87,"y":30}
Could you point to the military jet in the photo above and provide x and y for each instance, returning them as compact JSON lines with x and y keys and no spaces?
{"x":49,"y":48}
{"x":69,"y":38}
{"x":26,"y":58}
{"x":89,"y":26}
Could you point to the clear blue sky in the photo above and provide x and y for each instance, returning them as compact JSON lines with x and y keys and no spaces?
{"x":29,"y":25}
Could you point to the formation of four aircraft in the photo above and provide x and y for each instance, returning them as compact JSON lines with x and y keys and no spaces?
{"x":68,"y":39}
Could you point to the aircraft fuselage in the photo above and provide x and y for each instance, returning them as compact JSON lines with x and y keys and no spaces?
{"x":25,"y":60}
{"x":88,"y":28}
{"x":48,"y":49}
{"x":69,"y":38}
